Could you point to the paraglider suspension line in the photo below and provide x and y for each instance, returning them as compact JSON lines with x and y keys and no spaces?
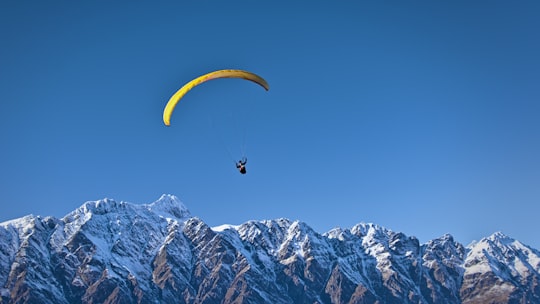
{"x":244,"y":143}
{"x":221,"y":141}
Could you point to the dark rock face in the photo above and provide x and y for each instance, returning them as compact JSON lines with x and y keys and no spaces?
{"x":110,"y":252}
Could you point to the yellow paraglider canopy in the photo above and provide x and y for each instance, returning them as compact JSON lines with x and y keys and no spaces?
{"x":169,"y":108}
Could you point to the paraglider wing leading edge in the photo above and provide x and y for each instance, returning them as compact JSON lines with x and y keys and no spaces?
{"x":173,"y":101}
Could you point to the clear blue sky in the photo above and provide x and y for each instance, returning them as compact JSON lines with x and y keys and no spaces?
{"x":420,"y":116}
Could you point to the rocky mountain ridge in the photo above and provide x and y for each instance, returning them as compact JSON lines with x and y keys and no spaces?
{"x":116,"y":252}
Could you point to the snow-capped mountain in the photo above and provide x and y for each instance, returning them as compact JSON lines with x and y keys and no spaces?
{"x":116,"y":252}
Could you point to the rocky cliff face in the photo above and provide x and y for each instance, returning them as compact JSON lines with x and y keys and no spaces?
{"x":116,"y":252}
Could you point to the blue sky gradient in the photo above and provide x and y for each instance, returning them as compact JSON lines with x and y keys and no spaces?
{"x":419,"y":116}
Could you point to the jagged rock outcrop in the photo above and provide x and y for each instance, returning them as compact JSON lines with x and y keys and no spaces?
{"x":117,"y":252}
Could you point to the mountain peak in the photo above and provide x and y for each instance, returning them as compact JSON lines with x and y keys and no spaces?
{"x":497,"y":239}
{"x":101,"y":206}
{"x":500,"y":237}
{"x":370,"y":229}
{"x":169,"y":205}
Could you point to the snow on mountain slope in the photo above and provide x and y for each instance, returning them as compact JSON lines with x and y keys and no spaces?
{"x":499,"y":267}
{"x":117,"y":252}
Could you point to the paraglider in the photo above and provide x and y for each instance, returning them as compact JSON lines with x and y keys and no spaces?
{"x":241,"y":165}
{"x":173,"y":101}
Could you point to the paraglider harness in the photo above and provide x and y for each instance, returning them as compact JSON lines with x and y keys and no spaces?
{"x":241,"y":165}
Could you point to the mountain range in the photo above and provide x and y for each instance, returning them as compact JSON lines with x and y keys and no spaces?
{"x":117,"y":252}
